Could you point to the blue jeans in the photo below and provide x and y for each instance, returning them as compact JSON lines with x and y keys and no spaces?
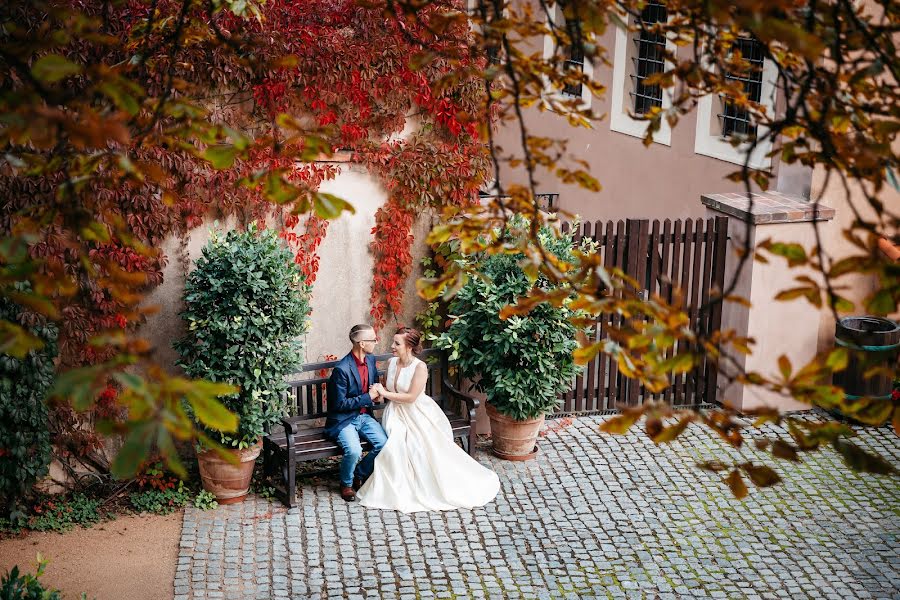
{"x":367,"y":427}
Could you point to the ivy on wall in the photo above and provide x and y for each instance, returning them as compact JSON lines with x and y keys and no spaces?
{"x":354,"y":78}
{"x":334,"y":71}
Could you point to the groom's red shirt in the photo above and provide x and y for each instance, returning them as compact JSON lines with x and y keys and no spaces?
{"x":363,"y":369}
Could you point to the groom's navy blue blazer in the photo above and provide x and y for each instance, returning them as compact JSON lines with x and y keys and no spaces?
{"x":344,"y":393}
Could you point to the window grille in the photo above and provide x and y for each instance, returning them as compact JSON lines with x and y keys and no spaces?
{"x":575,"y":61}
{"x":649,"y":59}
{"x":736,"y":120}
{"x":493,"y":52}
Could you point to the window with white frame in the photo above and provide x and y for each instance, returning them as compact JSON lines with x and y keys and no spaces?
{"x":574,"y":54}
{"x":721,"y":120}
{"x":640,"y":53}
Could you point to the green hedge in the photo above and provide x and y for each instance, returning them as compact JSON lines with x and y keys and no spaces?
{"x":24,"y":429}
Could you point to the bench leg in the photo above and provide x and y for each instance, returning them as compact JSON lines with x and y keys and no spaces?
{"x":267,"y":461}
{"x":471,"y":445}
{"x":290,"y":481}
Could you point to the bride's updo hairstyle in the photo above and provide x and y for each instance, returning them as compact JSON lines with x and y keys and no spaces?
{"x":413,"y":339}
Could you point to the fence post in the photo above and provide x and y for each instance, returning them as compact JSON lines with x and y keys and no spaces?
{"x":789,"y":328}
{"x":717,"y":283}
{"x":636,"y":231}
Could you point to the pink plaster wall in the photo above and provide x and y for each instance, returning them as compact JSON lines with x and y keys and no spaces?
{"x":638,"y":181}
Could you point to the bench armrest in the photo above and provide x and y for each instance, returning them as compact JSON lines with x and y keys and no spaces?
{"x":470,"y":401}
{"x":290,"y":427}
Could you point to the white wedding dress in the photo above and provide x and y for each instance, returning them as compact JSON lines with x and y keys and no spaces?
{"x":421,"y":467}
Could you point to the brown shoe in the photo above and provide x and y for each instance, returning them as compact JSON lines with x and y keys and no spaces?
{"x":357,"y":483}
{"x":348,"y":494}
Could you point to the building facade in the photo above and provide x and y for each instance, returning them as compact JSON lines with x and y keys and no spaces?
{"x":667,"y":178}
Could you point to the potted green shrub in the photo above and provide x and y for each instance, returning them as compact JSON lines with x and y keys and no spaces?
{"x":521,"y":363}
{"x":246,"y":305}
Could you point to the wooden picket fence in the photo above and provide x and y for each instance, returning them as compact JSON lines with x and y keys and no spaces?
{"x":682,"y":254}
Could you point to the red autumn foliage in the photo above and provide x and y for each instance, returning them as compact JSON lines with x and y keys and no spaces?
{"x":350,"y":72}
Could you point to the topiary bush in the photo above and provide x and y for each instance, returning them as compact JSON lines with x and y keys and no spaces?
{"x":24,"y":427}
{"x":524,"y":362}
{"x":246,"y":306}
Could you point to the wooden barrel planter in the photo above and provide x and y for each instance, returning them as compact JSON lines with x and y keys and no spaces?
{"x":872,"y":342}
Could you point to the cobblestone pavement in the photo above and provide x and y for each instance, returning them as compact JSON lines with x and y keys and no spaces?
{"x":594,"y":516}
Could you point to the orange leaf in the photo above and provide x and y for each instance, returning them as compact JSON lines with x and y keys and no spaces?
{"x":784,"y":365}
{"x":782,"y":449}
{"x":736,"y":484}
{"x":670,"y":433}
{"x":761,"y":475}
{"x":619,"y":424}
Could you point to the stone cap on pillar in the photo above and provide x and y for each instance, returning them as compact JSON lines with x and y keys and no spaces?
{"x":767,"y":207}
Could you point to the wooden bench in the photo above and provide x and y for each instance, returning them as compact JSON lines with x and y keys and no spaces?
{"x":301,"y":435}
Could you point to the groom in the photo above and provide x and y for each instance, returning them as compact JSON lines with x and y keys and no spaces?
{"x":350,"y":410}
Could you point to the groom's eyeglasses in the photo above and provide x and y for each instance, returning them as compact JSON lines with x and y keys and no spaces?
{"x":374,"y":340}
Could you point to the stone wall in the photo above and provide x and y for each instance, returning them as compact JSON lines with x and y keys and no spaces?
{"x":340,"y":297}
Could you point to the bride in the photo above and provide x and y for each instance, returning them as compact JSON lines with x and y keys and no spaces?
{"x":421,"y":467}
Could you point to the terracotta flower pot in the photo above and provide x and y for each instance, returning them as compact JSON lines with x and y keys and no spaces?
{"x":513,"y":439}
{"x":229,"y":483}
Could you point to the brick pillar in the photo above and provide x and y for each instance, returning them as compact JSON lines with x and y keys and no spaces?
{"x":789,"y":328}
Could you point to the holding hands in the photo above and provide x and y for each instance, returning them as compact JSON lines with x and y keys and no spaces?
{"x":376,"y":391}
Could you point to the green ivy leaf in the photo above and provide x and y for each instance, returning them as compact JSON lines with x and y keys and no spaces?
{"x":17,"y":341}
{"x":136,"y":448}
{"x":794,"y":253}
{"x":220,"y":156}
{"x":121,"y":97}
{"x":871,"y":411}
{"x":680,"y":363}
{"x":279,"y":191}
{"x":53,"y":68}
{"x":210,"y":411}
{"x":79,"y":386}
{"x":329,"y":206}
{"x":784,"y":366}
{"x":130,"y":381}
{"x":881,"y":303}
{"x":169,"y":453}
{"x":837,"y":359}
